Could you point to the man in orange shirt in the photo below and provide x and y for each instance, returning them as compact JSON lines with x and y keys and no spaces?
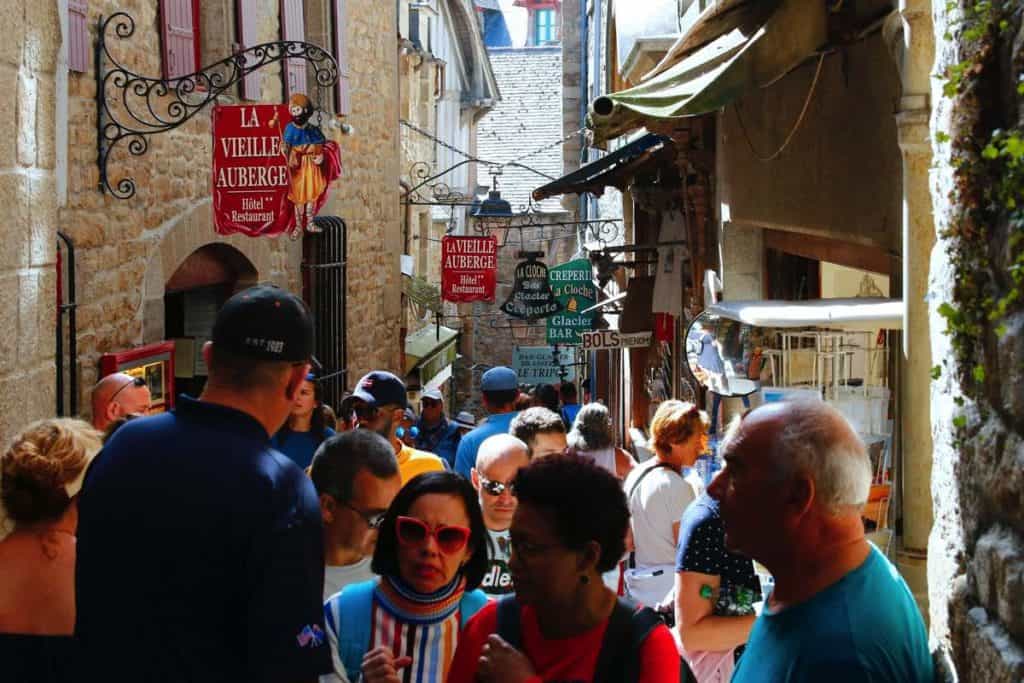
{"x":380,"y":405}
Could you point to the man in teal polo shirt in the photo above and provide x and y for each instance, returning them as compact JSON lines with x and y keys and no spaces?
{"x":790,"y":497}
{"x":500,"y":387}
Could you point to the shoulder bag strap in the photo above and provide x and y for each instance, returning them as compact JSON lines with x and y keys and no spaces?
{"x":616,"y":646}
{"x":636,"y":484}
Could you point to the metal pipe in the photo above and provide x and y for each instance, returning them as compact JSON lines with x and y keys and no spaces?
{"x":71,"y":307}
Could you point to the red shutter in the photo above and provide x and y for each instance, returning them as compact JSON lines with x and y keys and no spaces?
{"x":179,"y":25}
{"x":246,"y":11}
{"x":343,"y":98}
{"x":293,"y":28}
{"x":79,"y":50}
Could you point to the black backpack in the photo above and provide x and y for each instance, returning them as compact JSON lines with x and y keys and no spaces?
{"x":619,"y":658}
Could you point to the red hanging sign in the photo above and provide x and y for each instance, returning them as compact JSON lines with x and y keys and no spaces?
{"x":469,"y":268}
{"x":271,"y":168}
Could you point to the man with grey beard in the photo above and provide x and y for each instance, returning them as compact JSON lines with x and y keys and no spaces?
{"x":380,"y":404}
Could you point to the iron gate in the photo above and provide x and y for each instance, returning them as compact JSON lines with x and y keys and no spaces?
{"x":323,"y":284}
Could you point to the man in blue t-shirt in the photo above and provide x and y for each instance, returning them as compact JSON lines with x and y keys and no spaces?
{"x":790,"y":496}
{"x":500,"y":387}
{"x":200,"y":556}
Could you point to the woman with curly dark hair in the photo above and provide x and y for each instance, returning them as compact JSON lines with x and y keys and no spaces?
{"x":41,"y":474}
{"x":431,"y":556}
{"x":563,"y":624}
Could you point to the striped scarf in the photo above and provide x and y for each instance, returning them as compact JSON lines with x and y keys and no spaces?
{"x":424,"y":627}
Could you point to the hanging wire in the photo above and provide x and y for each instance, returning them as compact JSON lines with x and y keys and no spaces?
{"x":796,"y":126}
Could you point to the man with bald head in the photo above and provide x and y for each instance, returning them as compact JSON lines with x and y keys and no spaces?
{"x":116,"y":396}
{"x":790,"y":496}
{"x":499,"y":458}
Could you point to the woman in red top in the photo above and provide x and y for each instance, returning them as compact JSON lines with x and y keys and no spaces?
{"x":569,"y":527}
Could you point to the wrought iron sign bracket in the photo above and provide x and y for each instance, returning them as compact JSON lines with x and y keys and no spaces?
{"x":132,"y":108}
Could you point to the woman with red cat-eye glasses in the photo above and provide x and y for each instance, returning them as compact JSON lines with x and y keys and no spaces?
{"x":431,"y":556}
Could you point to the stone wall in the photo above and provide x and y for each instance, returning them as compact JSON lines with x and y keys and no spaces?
{"x":28,"y":66}
{"x":976,"y":548}
{"x":127,"y":249}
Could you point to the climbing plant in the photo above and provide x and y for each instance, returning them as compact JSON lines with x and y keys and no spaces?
{"x":986,"y":229}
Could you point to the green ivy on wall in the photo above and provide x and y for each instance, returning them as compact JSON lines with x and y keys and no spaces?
{"x":988,"y":194}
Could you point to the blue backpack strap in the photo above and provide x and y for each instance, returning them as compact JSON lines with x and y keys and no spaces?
{"x":355,"y":607}
{"x":472,"y":602}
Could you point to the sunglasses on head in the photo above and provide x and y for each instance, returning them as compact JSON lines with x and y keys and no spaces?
{"x":495,"y":488}
{"x":136,"y":382}
{"x":450,"y":539}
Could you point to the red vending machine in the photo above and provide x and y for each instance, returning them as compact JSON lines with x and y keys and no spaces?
{"x":154,"y":363}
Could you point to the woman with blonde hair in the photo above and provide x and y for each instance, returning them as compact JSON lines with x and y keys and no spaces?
{"x":658,"y":492}
{"x":41,"y":474}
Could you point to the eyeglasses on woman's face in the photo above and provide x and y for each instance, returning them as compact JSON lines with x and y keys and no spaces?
{"x":495,"y":488}
{"x":415,"y":532}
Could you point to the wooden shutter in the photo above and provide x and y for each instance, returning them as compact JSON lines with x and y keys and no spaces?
{"x":79,"y":49}
{"x":343,"y":98}
{"x":179,"y":23}
{"x":293,"y":27}
{"x":246,"y":22}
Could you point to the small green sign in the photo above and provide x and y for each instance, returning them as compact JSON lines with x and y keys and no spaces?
{"x":573,"y":286}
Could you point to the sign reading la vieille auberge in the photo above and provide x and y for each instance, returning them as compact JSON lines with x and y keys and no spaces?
{"x":255,"y":170}
{"x":469,"y":267}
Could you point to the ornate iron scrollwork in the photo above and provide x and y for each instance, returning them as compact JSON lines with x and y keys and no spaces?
{"x":132,"y":108}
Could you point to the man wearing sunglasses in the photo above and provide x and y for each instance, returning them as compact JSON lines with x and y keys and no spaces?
{"x":356,"y":477}
{"x":380,"y":406}
{"x":498,"y":460}
{"x":437,"y":434}
{"x":116,"y":396}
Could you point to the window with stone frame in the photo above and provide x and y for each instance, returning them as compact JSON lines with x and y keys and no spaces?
{"x":327,"y":26}
{"x":180,"y":37}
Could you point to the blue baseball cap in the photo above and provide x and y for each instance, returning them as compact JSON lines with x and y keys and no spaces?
{"x":499,"y":379}
{"x":380,"y":388}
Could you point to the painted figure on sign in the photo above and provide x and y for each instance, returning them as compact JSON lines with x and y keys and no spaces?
{"x":312,"y":163}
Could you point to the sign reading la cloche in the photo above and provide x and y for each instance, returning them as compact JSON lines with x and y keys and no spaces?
{"x":469,"y":267}
{"x":271,"y":168}
{"x":531,"y":297}
{"x":573,"y":286}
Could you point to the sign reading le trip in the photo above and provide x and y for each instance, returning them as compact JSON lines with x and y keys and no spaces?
{"x":469,"y":267}
{"x":613,"y":339}
{"x":531,"y":296}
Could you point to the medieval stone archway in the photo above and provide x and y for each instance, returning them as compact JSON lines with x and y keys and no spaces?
{"x":190,"y":233}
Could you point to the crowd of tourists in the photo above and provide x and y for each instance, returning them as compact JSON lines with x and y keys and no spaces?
{"x":253,"y":534}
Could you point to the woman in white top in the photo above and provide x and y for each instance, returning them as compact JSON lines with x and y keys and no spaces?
{"x":591,"y":437}
{"x":658,"y":491}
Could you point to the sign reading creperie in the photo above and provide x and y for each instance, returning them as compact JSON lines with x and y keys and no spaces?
{"x":600,"y":340}
{"x":469,"y":268}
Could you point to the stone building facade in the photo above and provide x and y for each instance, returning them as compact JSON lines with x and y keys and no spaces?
{"x":129,"y":254}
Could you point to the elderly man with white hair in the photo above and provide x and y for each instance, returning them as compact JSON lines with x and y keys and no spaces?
{"x":790,"y":496}
{"x":499,"y":458}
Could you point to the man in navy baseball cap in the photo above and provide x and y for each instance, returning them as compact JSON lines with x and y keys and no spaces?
{"x":228,"y":528}
{"x":500,"y":387}
{"x":380,"y":405}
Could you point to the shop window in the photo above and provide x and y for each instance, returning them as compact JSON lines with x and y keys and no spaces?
{"x":179,"y":32}
{"x":545,"y":30}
